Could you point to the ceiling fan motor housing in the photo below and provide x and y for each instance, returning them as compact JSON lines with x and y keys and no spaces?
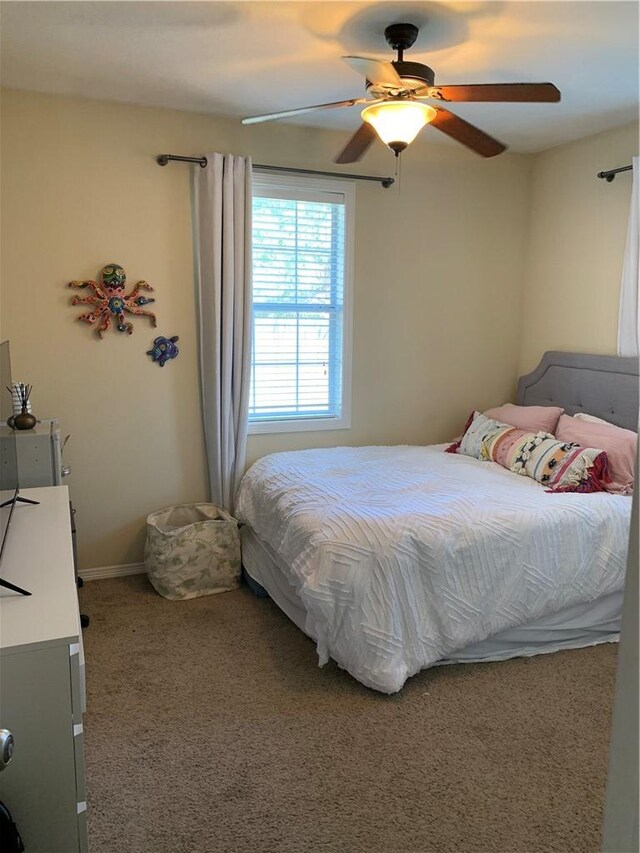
{"x":414,"y":76}
{"x":422,"y":74}
{"x":401,"y":36}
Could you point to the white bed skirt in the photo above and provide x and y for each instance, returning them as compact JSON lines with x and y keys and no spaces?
{"x":572,"y":628}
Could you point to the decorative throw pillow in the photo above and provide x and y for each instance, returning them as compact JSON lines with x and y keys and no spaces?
{"x":621,"y":446}
{"x":476,"y":429}
{"x":562,"y":466}
{"x":531,"y":418}
{"x":568,"y":467}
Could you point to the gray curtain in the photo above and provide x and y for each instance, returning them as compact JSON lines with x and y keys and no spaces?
{"x":222,"y":226}
{"x":629,"y":317}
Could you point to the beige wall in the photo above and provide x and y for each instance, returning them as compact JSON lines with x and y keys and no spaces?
{"x":438,"y":272}
{"x":577,"y":233}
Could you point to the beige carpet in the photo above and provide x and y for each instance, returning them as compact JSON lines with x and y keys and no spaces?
{"x":210,"y":728}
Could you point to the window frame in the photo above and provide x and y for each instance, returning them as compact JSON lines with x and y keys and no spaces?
{"x":346,"y":189}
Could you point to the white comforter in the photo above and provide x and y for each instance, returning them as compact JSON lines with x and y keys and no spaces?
{"x":402,"y":555}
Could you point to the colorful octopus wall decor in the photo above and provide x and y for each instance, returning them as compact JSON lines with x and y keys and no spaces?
{"x":111,"y":302}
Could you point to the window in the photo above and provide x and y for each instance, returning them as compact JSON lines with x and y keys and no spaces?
{"x":301,"y":345}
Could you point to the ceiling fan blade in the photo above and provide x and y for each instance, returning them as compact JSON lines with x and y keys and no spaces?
{"x":496,"y":92}
{"x":300,"y":110}
{"x":460,"y":130}
{"x":357,"y":145}
{"x":375,"y":70}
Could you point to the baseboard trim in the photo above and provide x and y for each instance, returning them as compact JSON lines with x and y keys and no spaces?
{"x":102,"y":572}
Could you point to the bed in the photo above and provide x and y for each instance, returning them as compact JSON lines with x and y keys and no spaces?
{"x":394,"y":559}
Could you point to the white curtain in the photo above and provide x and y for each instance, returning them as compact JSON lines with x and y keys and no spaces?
{"x":222,"y":226}
{"x":629,"y":318}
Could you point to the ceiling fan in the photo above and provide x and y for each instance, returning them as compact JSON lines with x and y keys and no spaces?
{"x":394,"y":108}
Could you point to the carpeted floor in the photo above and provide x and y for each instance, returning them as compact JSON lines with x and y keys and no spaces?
{"x":211,"y":729}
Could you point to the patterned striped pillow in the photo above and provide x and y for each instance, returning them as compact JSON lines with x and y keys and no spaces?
{"x":562,"y":466}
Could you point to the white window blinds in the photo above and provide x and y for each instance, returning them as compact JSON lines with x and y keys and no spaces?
{"x":297,"y":363}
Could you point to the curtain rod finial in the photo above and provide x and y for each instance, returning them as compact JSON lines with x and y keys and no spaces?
{"x":610,"y":174}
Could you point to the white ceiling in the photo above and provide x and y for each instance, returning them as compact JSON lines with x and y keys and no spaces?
{"x":243,"y":58}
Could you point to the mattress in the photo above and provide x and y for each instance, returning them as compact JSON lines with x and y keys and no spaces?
{"x":398,"y":558}
{"x":587,"y":624}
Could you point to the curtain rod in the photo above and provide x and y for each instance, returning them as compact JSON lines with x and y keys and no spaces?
{"x":163,"y":159}
{"x":611,"y":173}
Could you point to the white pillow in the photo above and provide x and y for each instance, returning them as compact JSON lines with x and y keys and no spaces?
{"x":583,"y":416}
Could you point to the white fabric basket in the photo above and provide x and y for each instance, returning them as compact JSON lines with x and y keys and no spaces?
{"x":192,"y":550}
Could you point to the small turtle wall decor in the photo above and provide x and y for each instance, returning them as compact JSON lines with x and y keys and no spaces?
{"x":164,"y":349}
{"x":110,"y":301}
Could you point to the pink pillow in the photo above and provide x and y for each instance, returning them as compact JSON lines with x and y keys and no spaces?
{"x":531,"y":418}
{"x":620,"y":445}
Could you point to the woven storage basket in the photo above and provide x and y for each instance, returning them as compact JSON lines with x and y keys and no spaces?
{"x":192,"y":550}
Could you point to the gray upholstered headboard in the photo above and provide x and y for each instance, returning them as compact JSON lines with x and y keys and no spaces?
{"x":602,"y":385}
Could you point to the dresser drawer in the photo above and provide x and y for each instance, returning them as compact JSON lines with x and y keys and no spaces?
{"x":78,"y":749}
{"x":76,"y":682}
{"x":83,"y":839}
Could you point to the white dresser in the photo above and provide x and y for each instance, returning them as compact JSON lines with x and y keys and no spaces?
{"x":42,"y":678}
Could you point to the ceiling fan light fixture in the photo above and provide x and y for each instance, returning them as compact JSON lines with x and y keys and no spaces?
{"x":398,"y":122}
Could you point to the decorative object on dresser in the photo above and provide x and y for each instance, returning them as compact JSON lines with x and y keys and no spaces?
{"x":16,"y":398}
{"x":111,"y":302}
{"x":22,"y":419}
{"x":17,"y":403}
